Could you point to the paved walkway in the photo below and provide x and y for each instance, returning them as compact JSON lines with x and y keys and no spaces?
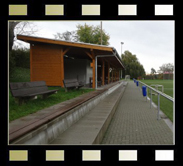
{"x":91,"y":127}
{"x":135,"y":123}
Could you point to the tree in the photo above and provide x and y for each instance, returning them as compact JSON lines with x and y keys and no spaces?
{"x":19,"y":56}
{"x":90,"y":34}
{"x":68,"y":35}
{"x":16,"y":27}
{"x":85,"y":33}
{"x":153,"y":71}
{"x":132,"y":65}
{"x":11,"y":33}
{"x":168,"y":67}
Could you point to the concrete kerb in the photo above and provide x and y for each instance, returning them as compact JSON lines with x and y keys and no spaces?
{"x":104,"y":127}
{"x":48,"y":132}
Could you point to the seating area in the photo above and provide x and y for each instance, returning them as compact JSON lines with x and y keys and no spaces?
{"x":71,"y":84}
{"x":29,"y":90}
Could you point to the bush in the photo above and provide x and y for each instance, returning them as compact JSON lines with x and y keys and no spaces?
{"x":21,"y":57}
{"x":12,"y":63}
{"x":20,"y":75}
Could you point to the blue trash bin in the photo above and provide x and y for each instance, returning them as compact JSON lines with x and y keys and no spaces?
{"x":137,"y":83}
{"x":144,"y":92}
{"x":134,"y":80}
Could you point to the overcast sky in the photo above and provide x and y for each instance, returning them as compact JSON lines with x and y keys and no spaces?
{"x":151,"y":41}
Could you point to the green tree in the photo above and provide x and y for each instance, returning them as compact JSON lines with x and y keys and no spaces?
{"x":85,"y":33}
{"x":132,"y":65}
{"x":92,"y":34}
{"x":153,"y":71}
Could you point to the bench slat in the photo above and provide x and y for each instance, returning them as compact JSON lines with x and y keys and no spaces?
{"x":72,"y":84}
{"x":26,"y":91}
{"x":70,"y":81}
{"x":21,"y":85}
{"x":40,"y":93}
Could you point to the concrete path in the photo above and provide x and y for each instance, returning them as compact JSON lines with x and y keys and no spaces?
{"x":135,"y":123}
{"x":91,"y":128}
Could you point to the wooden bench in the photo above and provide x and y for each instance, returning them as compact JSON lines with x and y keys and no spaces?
{"x":71,"y":84}
{"x":28,"y":90}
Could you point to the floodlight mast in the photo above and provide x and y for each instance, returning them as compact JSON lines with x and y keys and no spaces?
{"x":121,"y":47}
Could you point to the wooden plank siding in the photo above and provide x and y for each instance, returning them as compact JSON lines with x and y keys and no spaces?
{"x":46,"y":64}
{"x":47,"y":59}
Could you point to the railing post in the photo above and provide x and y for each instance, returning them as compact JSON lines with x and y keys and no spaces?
{"x":151,"y":99}
{"x":158,"y":116}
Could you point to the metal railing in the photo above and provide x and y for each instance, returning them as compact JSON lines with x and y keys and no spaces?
{"x":159,"y":93}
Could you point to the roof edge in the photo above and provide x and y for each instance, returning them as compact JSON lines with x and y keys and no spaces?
{"x":30,"y":39}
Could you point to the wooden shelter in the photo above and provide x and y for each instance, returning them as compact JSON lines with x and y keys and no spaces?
{"x":53,"y":60}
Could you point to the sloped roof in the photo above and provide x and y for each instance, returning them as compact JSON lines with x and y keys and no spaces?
{"x":76,"y":48}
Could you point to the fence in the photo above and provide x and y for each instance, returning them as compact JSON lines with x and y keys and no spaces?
{"x":159,"y":93}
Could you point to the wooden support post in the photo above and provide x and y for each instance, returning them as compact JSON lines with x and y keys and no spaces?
{"x":103,"y":72}
{"x":31,"y":62}
{"x":93,"y":86}
{"x":62,"y":67}
{"x":93,"y":61}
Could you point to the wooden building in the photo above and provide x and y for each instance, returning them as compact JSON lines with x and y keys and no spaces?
{"x":53,"y":60}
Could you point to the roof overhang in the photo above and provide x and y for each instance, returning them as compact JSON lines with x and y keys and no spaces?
{"x":78,"y":49}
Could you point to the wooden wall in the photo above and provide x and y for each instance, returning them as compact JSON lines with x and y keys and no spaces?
{"x":46,"y":64}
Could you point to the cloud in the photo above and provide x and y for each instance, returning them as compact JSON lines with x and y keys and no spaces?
{"x":151,"y":41}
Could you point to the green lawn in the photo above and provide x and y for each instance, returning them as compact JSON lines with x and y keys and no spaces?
{"x":31,"y":106}
{"x":165,"y":105}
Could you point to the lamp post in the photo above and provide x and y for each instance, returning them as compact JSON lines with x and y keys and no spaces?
{"x":121,"y":48}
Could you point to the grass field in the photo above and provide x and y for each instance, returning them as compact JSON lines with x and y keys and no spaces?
{"x":31,"y":106}
{"x":165,"y":105}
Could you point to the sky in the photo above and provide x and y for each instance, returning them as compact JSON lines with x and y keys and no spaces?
{"x":151,"y":41}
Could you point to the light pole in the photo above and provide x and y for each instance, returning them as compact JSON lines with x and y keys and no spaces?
{"x":121,"y":55}
{"x":121,"y":48}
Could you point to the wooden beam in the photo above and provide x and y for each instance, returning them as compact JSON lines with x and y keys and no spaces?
{"x":62,"y":67}
{"x":90,"y":55}
{"x":66,"y":50}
